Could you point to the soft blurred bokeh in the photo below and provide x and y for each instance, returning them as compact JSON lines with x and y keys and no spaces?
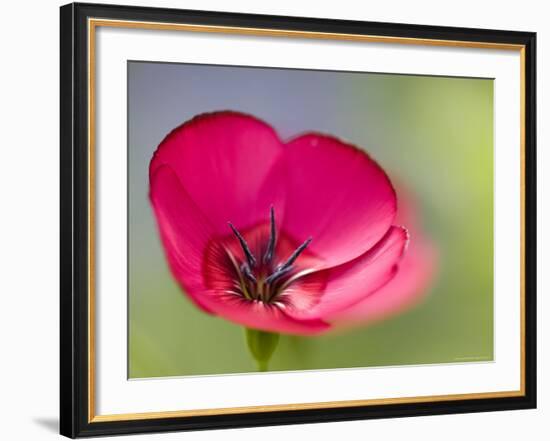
{"x":432,"y":134}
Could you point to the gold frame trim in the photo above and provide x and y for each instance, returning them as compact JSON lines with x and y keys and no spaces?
{"x":92,"y":25}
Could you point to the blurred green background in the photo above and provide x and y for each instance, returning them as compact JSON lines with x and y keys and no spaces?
{"x":432,"y":134}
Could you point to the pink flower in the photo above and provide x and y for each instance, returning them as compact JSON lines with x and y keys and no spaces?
{"x":281,"y":237}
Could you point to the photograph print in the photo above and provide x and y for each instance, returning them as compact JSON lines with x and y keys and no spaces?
{"x":290,"y":220}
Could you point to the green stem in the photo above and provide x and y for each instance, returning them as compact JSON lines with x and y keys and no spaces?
{"x":261,"y":345}
{"x":262,"y":366}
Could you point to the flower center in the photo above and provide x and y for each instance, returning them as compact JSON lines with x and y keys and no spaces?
{"x":261,"y":275}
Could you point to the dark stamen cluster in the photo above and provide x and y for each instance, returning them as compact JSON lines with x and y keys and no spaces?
{"x":262,"y":279}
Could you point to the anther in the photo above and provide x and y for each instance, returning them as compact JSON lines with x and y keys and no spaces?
{"x":286,"y":266}
{"x":249,"y":256}
{"x":268,"y":256}
{"x":277,"y":274}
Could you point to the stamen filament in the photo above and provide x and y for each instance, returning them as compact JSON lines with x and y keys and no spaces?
{"x":241,"y":280}
{"x":277,"y":274}
{"x":248,"y":273}
{"x":268,"y":256}
{"x":249,"y":256}
{"x":285,"y":267}
{"x":296,"y":253}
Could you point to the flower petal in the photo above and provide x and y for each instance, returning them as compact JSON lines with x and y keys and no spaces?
{"x":348,"y":284}
{"x":258,"y":315}
{"x":184,"y":231}
{"x":222,"y":160}
{"x":415,"y":274}
{"x":408,"y":287}
{"x":336,"y":194}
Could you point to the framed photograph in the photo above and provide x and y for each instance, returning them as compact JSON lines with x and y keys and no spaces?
{"x":273,"y":220}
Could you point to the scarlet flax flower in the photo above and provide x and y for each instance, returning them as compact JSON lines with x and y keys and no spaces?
{"x":286,"y":237}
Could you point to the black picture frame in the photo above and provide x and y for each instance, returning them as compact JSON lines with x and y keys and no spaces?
{"x":74,"y":325}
